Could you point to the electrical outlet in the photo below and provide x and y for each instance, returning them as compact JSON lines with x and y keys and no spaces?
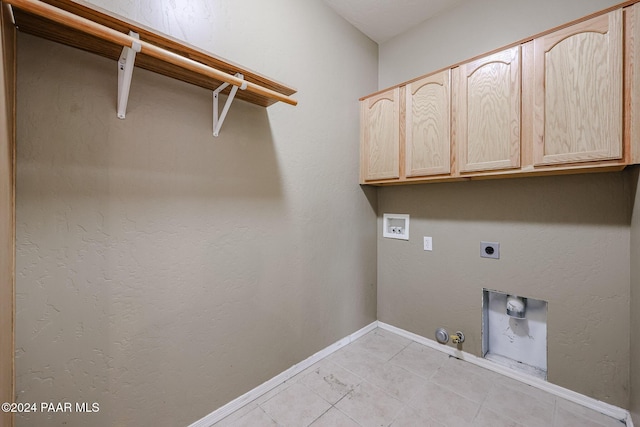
{"x":490,"y":250}
{"x":428,"y":244}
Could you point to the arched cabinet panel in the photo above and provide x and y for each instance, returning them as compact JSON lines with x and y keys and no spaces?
{"x":380,"y":136}
{"x":578,"y":98}
{"x":428,"y":125}
{"x":488,"y":112}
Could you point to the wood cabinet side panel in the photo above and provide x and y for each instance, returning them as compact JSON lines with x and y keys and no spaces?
{"x":632,"y":84}
{"x":455,"y":119}
{"x":526,"y":127}
{"x":402,"y":132}
{"x":363,"y":144}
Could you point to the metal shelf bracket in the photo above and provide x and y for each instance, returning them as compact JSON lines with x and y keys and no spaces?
{"x":218,"y":120}
{"x":125,"y":72}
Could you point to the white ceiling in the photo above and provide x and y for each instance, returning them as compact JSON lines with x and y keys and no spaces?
{"x":381,"y":20}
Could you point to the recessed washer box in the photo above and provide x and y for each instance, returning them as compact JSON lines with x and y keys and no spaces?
{"x":517,"y":343}
{"x":395,"y":226}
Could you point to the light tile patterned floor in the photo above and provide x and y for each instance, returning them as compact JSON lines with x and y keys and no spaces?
{"x":383,"y":379}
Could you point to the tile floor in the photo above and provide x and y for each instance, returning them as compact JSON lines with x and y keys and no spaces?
{"x":383,"y":379}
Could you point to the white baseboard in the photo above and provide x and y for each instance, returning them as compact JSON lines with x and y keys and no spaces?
{"x":580,"y":399}
{"x":251,"y":395}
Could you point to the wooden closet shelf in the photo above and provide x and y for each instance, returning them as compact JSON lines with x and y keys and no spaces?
{"x":52,"y":30}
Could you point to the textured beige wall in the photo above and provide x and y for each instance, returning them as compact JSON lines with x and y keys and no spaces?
{"x":564,"y":240}
{"x":635,"y":294}
{"x":163,"y":272}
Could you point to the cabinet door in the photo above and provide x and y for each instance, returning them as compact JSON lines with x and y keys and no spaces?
{"x":578,"y":92}
{"x":428,"y":142}
{"x":380,"y":136}
{"x":488,"y":107}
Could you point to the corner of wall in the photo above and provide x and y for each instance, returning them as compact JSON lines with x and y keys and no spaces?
{"x":7,"y":211}
{"x":634,"y":404}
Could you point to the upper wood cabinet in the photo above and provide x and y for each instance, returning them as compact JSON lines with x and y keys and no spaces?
{"x":578,"y":92}
{"x":428,"y":125}
{"x":487,"y":110}
{"x":380,"y":136}
{"x":565,"y":101}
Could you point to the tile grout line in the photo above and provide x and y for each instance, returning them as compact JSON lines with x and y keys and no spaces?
{"x":555,"y":411}
{"x":319,"y":416}
{"x":267,"y":414}
{"x":338,"y":409}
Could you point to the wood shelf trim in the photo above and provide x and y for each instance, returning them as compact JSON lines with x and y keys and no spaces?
{"x":79,"y":25}
{"x":527,"y":173}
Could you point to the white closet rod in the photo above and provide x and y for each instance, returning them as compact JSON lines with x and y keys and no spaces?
{"x":85,"y":25}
